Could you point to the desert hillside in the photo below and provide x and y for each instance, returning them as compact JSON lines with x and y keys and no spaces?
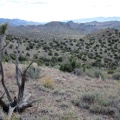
{"x":59,"y":78}
{"x":65,"y":96}
{"x":99,"y":49}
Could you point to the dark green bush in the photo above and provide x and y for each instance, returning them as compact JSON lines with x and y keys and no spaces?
{"x":3,"y":28}
{"x":22,"y":58}
{"x":13,"y":56}
{"x":110,"y":71}
{"x":67,"y":67}
{"x":70,"y":65}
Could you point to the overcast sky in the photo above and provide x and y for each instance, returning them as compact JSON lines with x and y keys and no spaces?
{"x":58,"y":10}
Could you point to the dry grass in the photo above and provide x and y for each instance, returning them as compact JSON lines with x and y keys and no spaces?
{"x":56,"y":103}
{"x":47,"y":82}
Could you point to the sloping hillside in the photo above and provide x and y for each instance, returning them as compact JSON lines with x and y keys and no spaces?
{"x":65,"y":96}
{"x":103,"y":46}
{"x":98,"y":49}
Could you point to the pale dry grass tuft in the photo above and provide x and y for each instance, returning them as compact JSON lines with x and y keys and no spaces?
{"x":47,"y":82}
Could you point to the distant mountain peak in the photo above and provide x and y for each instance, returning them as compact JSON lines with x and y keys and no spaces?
{"x":17,"y":22}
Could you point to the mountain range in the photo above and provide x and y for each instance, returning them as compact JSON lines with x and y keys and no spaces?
{"x":17,"y":22}
{"x":57,"y":29}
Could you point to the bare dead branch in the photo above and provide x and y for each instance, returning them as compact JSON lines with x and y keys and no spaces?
{"x":22,"y":86}
{"x":21,"y":89}
{"x":3,"y":83}
{"x":10,"y":112}
{"x":4,"y":47}
{"x":4,"y":106}
{"x":2,"y":71}
{"x":17,"y":104}
{"x":17,"y":68}
{"x":2,"y":96}
{"x":34,"y":101}
{"x":28,"y":66}
{"x":25,"y":105}
{"x":14,"y":63}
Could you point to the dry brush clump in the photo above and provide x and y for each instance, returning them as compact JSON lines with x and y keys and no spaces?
{"x":116,"y":76}
{"x":99,"y":103}
{"x":47,"y":82}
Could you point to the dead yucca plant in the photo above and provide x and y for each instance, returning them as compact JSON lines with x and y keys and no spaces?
{"x":20,"y":102}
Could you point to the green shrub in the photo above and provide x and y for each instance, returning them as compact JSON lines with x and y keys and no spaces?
{"x":13,"y":56}
{"x":78,"y":71}
{"x":99,"y":103}
{"x":22,"y":58}
{"x":3,"y":28}
{"x":103,"y":110}
{"x":76,"y":102}
{"x":67,"y":67}
{"x":70,"y":65}
{"x":69,"y":116}
{"x":99,"y":73}
{"x":110,"y":71}
{"x":88,"y":98}
{"x":93,"y":72}
{"x":116,"y":76}
{"x":34,"y":72}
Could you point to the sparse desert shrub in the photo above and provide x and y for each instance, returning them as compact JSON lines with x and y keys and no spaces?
{"x":90,"y":72}
{"x":5,"y":58}
{"x":27,"y":54}
{"x":76,"y":102}
{"x":12,"y":56}
{"x":22,"y":58}
{"x":99,"y":73}
{"x":103,"y":110}
{"x":3,"y":28}
{"x":56,"y":54}
{"x":116,"y":76}
{"x":47,"y":82}
{"x":69,"y":116}
{"x":11,"y":46}
{"x":50,"y":53}
{"x":34,"y":72}
{"x":66,"y":67}
{"x":70,"y":65}
{"x":60,"y":59}
{"x":78,"y":71}
{"x":99,"y":103}
{"x":88,"y":98}
{"x":110,"y":71}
